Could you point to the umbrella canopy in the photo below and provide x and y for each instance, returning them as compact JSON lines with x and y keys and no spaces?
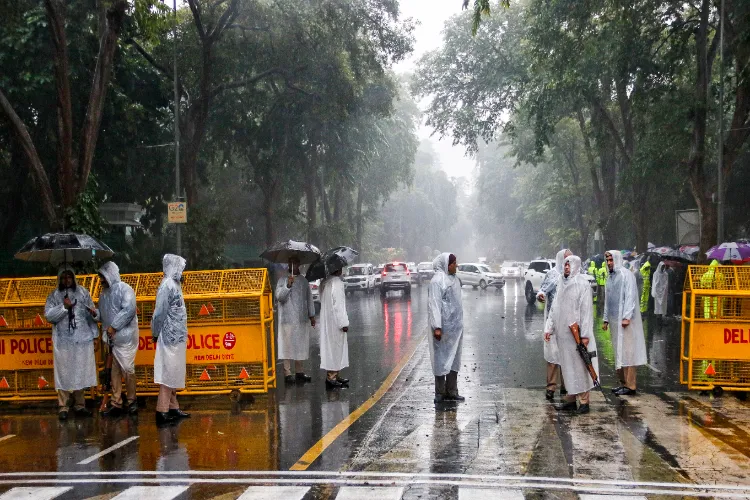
{"x":736,"y":252}
{"x":331,"y":261}
{"x":672,"y":253}
{"x":55,"y":248}
{"x":282,"y":252}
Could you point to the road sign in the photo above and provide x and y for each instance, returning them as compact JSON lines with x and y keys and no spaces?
{"x":177,"y":212}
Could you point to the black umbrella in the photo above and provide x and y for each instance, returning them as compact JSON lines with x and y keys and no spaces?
{"x":282,"y":252}
{"x":56,"y":248}
{"x":331,"y":261}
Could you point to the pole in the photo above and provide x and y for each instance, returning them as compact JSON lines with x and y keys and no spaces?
{"x":176,"y":129}
{"x":720,"y":181}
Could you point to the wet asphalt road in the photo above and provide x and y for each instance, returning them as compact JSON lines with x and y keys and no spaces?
{"x":505,"y":426}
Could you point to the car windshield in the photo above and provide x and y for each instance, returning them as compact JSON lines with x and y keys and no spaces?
{"x":391,"y":268}
{"x":356,"y":271}
{"x":485,"y":269}
{"x":426,"y":266}
{"x":539,"y":266}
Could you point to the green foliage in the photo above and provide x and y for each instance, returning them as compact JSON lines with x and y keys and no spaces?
{"x":205,"y":236}
{"x":481,"y":8}
{"x":84,"y":216}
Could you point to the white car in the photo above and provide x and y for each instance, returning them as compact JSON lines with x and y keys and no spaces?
{"x":479,"y":276}
{"x":395,"y":276}
{"x":512,"y":270}
{"x":360,"y":278}
{"x":315,"y":289}
{"x":415,"y":278}
{"x":535,"y":274}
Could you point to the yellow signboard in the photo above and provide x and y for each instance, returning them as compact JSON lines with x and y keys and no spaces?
{"x":24,"y":352}
{"x":177,"y":212}
{"x":721,"y":340}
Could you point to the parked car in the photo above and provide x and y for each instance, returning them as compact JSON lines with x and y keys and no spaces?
{"x":315,"y":289}
{"x":512,"y":270}
{"x":415,"y":277}
{"x":426,"y":271}
{"x":479,"y":276}
{"x":395,"y":276}
{"x":377,"y":273}
{"x":534,"y":276}
{"x":359,"y":278}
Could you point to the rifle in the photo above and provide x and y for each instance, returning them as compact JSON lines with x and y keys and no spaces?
{"x":584,"y":352}
{"x":105,"y":376}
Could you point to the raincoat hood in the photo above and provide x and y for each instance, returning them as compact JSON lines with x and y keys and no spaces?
{"x":559,"y":258}
{"x":575,"y":266}
{"x":660,"y":267}
{"x":111,"y":273}
{"x":440,"y":264}
{"x":617,"y":258}
{"x":173,"y":266}
{"x":66,"y":268}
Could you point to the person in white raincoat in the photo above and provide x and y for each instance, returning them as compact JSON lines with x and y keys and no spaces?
{"x":660,"y":290}
{"x":169,"y":331}
{"x":118,"y":315}
{"x":296,"y":313}
{"x":71,"y":311}
{"x":445,"y":316}
{"x":622,"y":311}
{"x":547,"y":294}
{"x":334,"y":325}
{"x":573,"y":305}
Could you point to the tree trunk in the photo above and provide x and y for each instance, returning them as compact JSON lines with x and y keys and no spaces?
{"x":641,"y":216}
{"x":360,"y":228}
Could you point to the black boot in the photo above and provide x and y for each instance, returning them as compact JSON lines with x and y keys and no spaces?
{"x":113,"y":412}
{"x":570,"y":406}
{"x":333,"y":384}
{"x":178,"y":414}
{"x":164,"y":418}
{"x":301,"y":377}
{"x":549,"y":395}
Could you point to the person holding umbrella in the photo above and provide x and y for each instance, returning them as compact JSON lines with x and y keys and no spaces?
{"x":296,"y":309}
{"x":71,"y":311}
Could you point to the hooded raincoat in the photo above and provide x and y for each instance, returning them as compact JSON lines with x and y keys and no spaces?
{"x":646,"y":291}
{"x":549,"y":288}
{"x":334,"y":344}
{"x":622,"y":302}
{"x":445,"y":311}
{"x":117,"y":308}
{"x":712,"y":279}
{"x":660,"y":289}
{"x":295,"y":308}
{"x":72,"y":339}
{"x":169,"y":325}
{"x":573,"y":304}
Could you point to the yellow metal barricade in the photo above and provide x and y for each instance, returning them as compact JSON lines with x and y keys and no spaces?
{"x":715,"y":339}
{"x":230,"y":333}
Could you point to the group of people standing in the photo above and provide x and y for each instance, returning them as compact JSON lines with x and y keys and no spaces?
{"x":569,"y":307}
{"x":75,"y":319}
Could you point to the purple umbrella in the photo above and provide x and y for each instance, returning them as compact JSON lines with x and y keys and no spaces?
{"x":738,"y":253}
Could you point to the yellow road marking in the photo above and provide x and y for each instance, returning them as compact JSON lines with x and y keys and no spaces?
{"x":318,"y":448}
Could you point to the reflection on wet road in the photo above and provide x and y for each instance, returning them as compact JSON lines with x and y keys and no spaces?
{"x":505,"y":437}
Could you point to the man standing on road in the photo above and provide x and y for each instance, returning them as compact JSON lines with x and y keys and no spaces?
{"x":118,"y":314}
{"x":334,"y":325}
{"x":296,"y":310}
{"x":601,"y":281}
{"x":547,"y":293}
{"x":646,"y":292}
{"x":573,"y":307}
{"x":169,"y":332}
{"x":71,"y":311}
{"x":622,"y":310}
{"x":446,"y":320}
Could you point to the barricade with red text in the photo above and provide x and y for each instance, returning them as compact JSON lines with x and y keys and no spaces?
{"x":715,"y":340}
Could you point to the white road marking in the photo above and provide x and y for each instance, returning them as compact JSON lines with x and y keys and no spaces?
{"x":489,"y":493}
{"x":274,"y":492}
{"x":368,"y":493}
{"x":37,"y":493}
{"x":608,"y":497}
{"x":108,"y":450}
{"x":7,"y":437}
{"x":151,"y":493}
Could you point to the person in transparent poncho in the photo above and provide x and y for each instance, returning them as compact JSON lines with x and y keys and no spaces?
{"x":446,"y":321}
{"x":547,"y":294}
{"x":296,"y":314}
{"x":660,"y":290}
{"x":169,"y":332}
{"x":622,"y":317}
{"x":573,"y":305}
{"x":118,"y":315}
{"x":71,"y":311}
{"x":334,"y":325}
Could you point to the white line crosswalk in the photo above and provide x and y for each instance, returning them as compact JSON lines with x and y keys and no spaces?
{"x":274,"y":493}
{"x":368,"y":493}
{"x":31,"y":493}
{"x":486,"y":493}
{"x":151,"y":493}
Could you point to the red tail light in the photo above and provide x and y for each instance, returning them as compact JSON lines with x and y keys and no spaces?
{"x":383,"y":275}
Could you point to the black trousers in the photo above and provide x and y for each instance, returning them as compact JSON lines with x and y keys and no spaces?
{"x":447,"y":385}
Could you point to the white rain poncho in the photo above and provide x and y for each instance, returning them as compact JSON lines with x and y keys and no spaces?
{"x":117,"y":308}
{"x":169,"y":323}
{"x":573,"y":304}
{"x":623,"y":302}
{"x":72,"y":340}
{"x":660,"y":289}
{"x":445,"y":311}
{"x":295,"y":308}
{"x":334,"y":345}
{"x":548,"y":289}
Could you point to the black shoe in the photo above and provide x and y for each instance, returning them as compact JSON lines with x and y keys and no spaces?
{"x":549,"y":395}
{"x":583,"y":409}
{"x":301,"y":377}
{"x":344,"y":381}
{"x":63,"y":415}
{"x":566,"y":406}
{"x":164,"y":418}
{"x":113,"y":412}
{"x":615,"y":389}
{"x":439,"y":398}
{"x":178,"y":414}
{"x":333,"y":384}
{"x":563,"y":391}
{"x":455,"y":397}
{"x":83,"y":412}
{"x":133,"y":408}
{"x":624,"y":391}
{"x":289,"y":379}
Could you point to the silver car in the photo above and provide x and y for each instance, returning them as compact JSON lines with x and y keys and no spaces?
{"x":395,"y":276}
{"x":479,"y":276}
